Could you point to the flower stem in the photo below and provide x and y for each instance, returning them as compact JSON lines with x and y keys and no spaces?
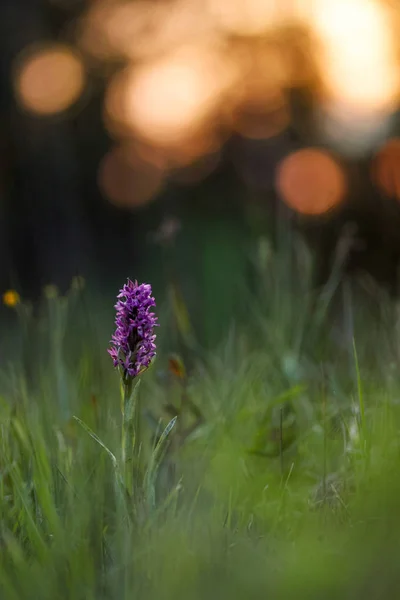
{"x":131,"y":447}
{"x":127,"y":435}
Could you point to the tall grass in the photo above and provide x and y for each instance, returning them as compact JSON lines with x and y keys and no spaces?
{"x":280,"y":478}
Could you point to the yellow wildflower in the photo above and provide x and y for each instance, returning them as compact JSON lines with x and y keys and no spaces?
{"x":11,"y":298}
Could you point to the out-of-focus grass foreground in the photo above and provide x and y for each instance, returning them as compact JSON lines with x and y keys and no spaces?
{"x":256,"y":455}
{"x":267,"y":467}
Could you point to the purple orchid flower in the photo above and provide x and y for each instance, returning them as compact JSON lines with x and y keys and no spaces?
{"x":133,"y":343}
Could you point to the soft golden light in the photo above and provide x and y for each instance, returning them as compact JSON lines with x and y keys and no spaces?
{"x":127,"y":179}
{"x":169,"y":100}
{"x":143,"y":29}
{"x":386,"y":168}
{"x":91,"y":31}
{"x":193,"y":148}
{"x":49,"y":80}
{"x":299,"y":48}
{"x":311,"y":182}
{"x":148,"y":28}
{"x":257,"y":106}
{"x":358,"y":62}
{"x":248,"y":17}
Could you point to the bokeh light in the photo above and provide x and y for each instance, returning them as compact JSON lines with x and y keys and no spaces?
{"x":198,"y":70}
{"x":127,"y":179}
{"x":310,"y":181}
{"x":48,"y":80}
{"x":359,"y":53}
{"x":299,"y":48}
{"x":257,"y":107}
{"x":171,"y":99}
{"x":386,"y":168}
{"x":247,"y":17}
{"x":358,"y":64}
{"x":203,"y":144}
{"x":92,"y":30}
{"x":144,"y":29}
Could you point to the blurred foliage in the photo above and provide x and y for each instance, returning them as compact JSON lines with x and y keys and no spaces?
{"x":280,"y":477}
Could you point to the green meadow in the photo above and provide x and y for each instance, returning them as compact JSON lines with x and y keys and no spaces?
{"x":268,"y":464}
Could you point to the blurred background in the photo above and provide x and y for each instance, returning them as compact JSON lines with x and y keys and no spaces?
{"x":172,"y":139}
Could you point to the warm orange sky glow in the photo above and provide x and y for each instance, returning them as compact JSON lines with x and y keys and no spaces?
{"x":253,"y":17}
{"x":359,"y":60}
{"x":168,"y":100}
{"x":144,"y":29}
{"x":49,"y":80}
{"x":358,"y":65}
{"x":194,"y":68}
{"x":311,"y":182}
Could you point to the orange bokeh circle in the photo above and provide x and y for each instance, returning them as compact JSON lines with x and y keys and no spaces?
{"x":386,"y":168}
{"x":48,"y":80}
{"x":311,"y":181}
{"x":128,"y":179}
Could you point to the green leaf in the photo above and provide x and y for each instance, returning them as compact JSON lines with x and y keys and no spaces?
{"x":97,"y":439}
{"x":155,"y":461}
